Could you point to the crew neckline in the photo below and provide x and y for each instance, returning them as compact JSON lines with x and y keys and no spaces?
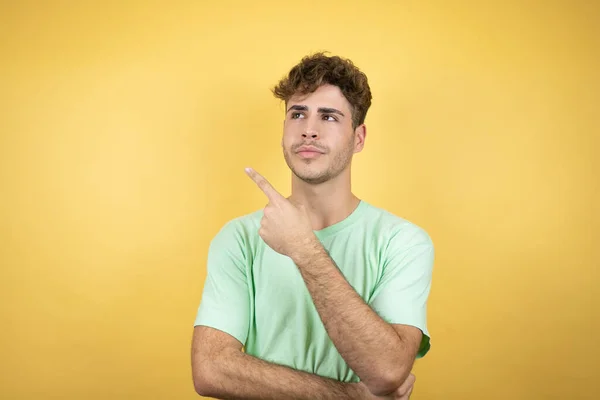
{"x":346,"y":222}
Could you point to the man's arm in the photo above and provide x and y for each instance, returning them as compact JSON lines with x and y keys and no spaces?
{"x":221,"y":370}
{"x":381,"y":354}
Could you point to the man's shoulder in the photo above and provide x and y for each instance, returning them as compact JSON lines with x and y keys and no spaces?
{"x":242,"y":227}
{"x":251,"y":218}
{"x":396,"y":226}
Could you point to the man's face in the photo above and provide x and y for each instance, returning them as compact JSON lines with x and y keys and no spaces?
{"x":318,"y":138}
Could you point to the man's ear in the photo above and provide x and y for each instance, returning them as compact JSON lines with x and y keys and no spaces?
{"x":360,"y":134}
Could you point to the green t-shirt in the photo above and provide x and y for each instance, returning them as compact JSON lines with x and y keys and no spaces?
{"x":259,"y":297}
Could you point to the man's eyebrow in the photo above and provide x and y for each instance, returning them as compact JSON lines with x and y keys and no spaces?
{"x":298,"y":108}
{"x":326,"y":110}
{"x":322,"y":110}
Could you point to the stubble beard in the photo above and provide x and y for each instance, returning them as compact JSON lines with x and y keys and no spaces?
{"x":339,"y":163}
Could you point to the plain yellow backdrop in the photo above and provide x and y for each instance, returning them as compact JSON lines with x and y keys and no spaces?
{"x":125,"y":128}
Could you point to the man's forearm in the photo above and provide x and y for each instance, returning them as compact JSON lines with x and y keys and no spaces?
{"x":369,"y":345}
{"x":236,"y":375}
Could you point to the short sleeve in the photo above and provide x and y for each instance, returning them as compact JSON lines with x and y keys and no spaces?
{"x":401,"y":295}
{"x":225,"y":303}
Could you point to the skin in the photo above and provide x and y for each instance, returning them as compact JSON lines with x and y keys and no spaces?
{"x":381,"y":354}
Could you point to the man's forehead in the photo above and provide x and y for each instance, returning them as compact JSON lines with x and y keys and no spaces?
{"x":324,"y":96}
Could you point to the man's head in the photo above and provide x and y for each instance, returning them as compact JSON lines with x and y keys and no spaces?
{"x":326,"y":99}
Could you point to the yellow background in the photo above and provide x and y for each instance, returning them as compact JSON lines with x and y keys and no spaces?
{"x":125,"y":127}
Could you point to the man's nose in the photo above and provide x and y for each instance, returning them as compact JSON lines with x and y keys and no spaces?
{"x":310,"y":133}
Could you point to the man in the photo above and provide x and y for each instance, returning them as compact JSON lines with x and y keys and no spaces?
{"x":320,"y":295}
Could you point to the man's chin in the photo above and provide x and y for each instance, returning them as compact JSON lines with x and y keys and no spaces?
{"x":312,"y":177}
{"x":307,"y":172}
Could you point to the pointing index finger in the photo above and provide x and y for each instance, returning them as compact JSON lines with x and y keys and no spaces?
{"x":264,"y":185}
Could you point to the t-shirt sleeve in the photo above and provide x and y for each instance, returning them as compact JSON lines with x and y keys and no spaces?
{"x":225,"y":303}
{"x":401,"y":295}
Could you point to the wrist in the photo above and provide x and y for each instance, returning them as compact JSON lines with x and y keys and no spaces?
{"x":307,"y":250}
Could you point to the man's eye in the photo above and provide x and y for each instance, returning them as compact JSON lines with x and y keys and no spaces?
{"x":296,"y":115}
{"x":329,"y":118}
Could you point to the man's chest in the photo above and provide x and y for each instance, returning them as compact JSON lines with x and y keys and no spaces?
{"x":278,"y":283}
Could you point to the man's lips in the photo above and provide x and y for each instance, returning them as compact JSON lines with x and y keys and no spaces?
{"x":309,"y":154}
{"x":308,"y":150}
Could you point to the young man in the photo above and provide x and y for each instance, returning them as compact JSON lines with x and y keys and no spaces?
{"x":319,"y":295}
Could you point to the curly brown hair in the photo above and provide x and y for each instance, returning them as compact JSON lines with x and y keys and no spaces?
{"x":319,"y":69}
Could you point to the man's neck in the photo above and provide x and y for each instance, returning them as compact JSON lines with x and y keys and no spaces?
{"x":327,"y":203}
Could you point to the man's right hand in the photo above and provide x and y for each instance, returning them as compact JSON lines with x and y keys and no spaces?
{"x":402,"y":393}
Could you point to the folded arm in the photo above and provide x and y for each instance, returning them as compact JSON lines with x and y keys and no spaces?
{"x":381,"y":354}
{"x":221,"y":370}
